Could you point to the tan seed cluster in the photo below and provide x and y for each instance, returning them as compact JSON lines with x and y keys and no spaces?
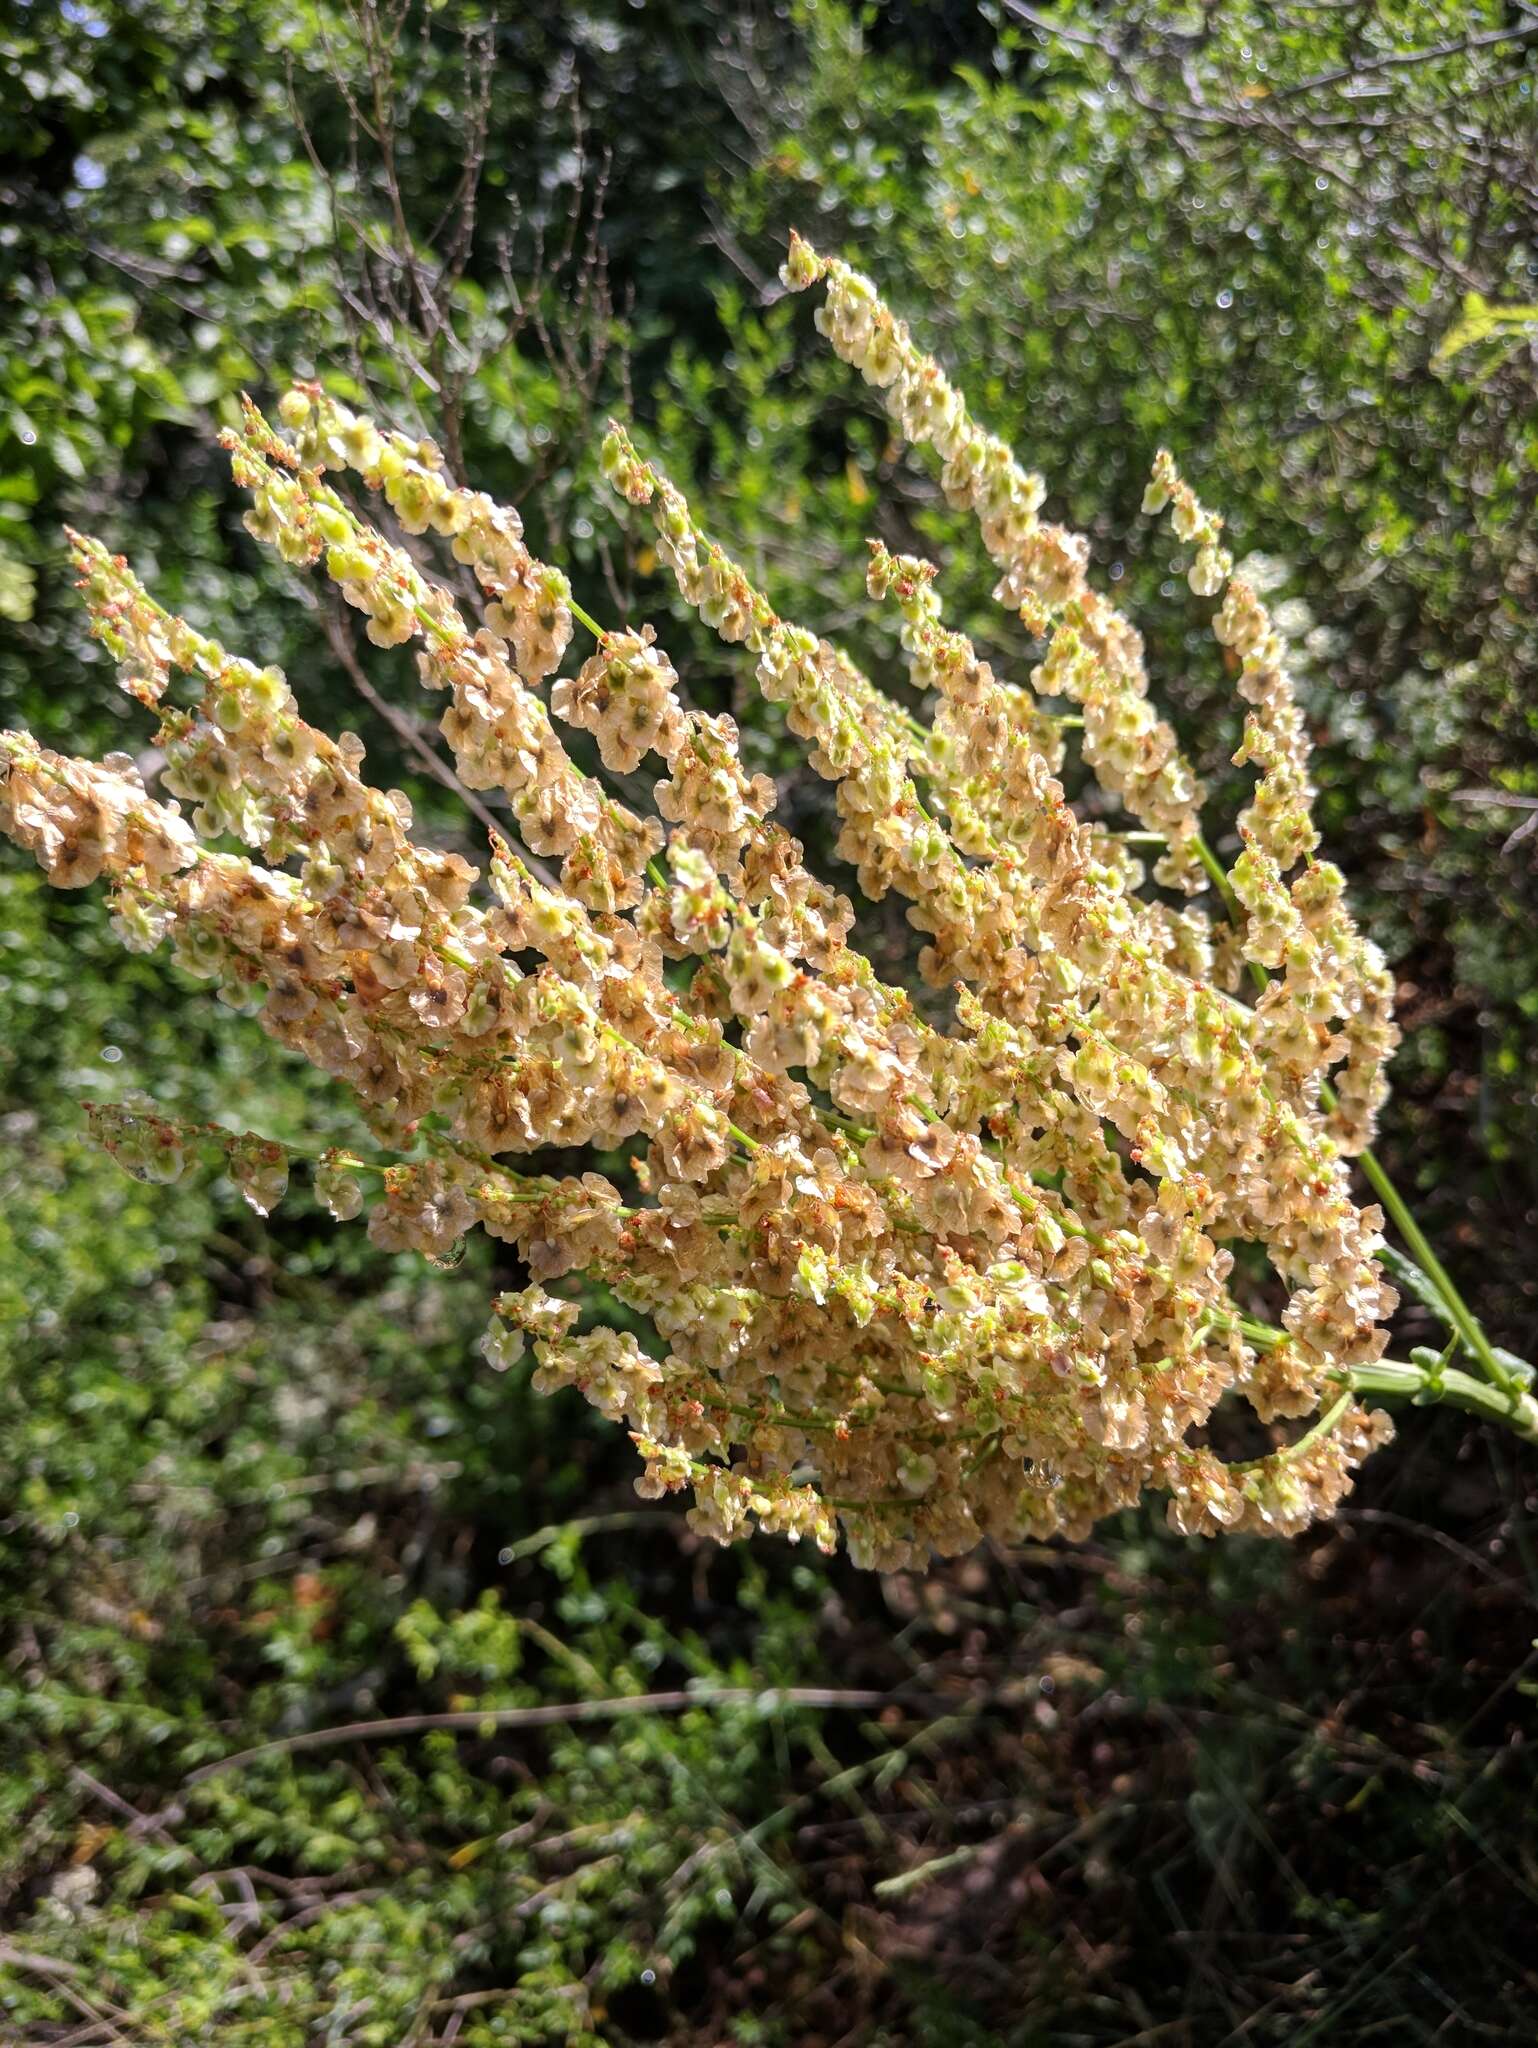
{"x":920,"y":1282}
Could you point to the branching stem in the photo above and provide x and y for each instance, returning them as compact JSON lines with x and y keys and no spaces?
{"x":1459,"y":1314}
{"x":1393,"y":1380}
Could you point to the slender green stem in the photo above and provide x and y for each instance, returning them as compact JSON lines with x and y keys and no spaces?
{"x":861,"y":1133}
{"x":1262,"y":1335}
{"x":584,"y":618}
{"x":1462,"y":1317}
{"x":1217,"y":874}
{"x":1464,"y":1321}
{"x":1320,"y":1429}
{"x":1311,"y":1436}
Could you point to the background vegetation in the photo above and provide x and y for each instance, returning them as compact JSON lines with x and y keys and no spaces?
{"x":256,"y":1480}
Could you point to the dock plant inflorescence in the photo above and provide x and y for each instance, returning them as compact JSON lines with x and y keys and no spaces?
{"x":924,"y":1271}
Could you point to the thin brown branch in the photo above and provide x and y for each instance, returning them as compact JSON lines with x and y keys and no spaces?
{"x":558,"y":1714}
{"x":408,"y":735}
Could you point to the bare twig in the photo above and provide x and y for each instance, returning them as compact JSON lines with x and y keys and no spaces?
{"x":403,"y":727}
{"x":555,"y":1715}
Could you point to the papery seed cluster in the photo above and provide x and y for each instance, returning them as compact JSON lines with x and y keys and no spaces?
{"x":923,"y":1268}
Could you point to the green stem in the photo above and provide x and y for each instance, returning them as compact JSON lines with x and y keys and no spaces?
{"x":1394,"y":1381}
{"x":1464,"y":1321}
{"x":1311,"y":1436}
{"x":1320,"y":1429}
{"x":1217,"y":874}
{"x":1262,"y":1335}
{"x":1462,"y":1317}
